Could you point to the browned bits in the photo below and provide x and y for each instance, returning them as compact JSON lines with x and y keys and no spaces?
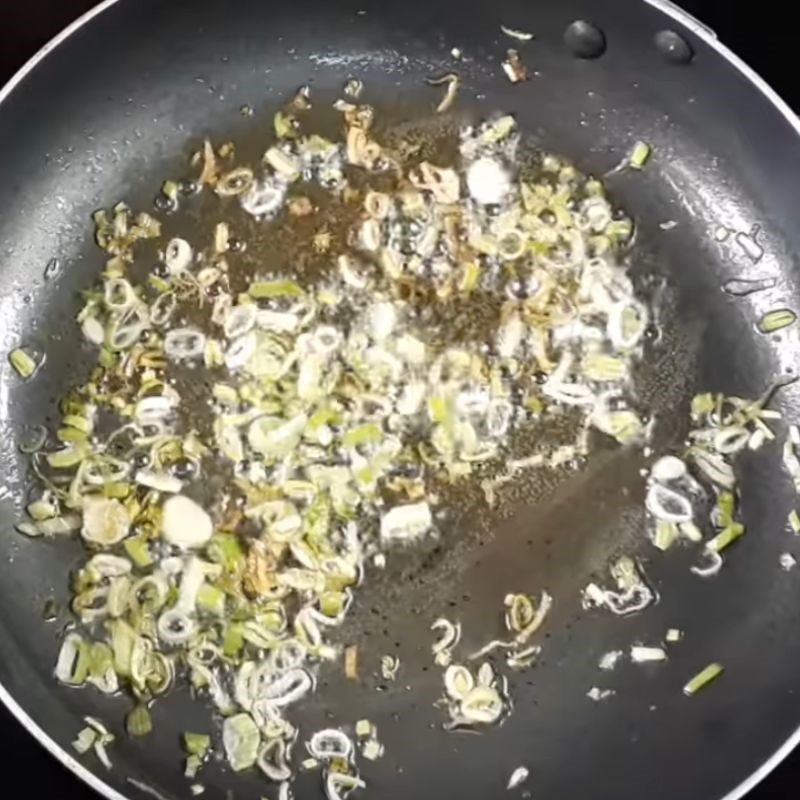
{"x":377,"y":205}
{"x":322,"y":241}
{"x":300,"y":206}
{"x":259,"y":574}
{"x":514,"y":67}
{"x":351,"y":662}
{"x":210,"y":173}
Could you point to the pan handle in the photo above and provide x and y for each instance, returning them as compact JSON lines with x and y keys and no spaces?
{"x":680,"y":14}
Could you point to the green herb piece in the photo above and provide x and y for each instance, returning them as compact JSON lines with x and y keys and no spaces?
{"x":139,"y":722}
{"x":703,"y":678}
{"x":23,"y":362}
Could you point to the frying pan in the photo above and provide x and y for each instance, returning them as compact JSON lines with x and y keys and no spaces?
{"x":118,"y":101}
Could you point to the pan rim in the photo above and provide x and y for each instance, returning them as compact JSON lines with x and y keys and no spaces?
{"x":667,"y":7}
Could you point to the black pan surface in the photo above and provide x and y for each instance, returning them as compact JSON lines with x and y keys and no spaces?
{"x":119,"y":104}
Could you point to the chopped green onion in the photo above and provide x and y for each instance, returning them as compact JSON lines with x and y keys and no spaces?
{"x":332,"y":604}
{"x":85,"y":740}
{"x":225,"y":549}
{"x":364,"y":728}
{"x":640,"y":155}
{"x":139,"y":722}
{"x":726,"y":507}
{"x":372,"y":750}
{"x":233,"y":640}
{"x":138,"y":551}
{"x":170,"y":189}
{"x":23,"y":362}
{"x":726,"y":537}
{"x":776,"y":320}
{"x":196,"y":744}
{"x":266,"y":290}
{"x":703,"y":678}
{"x":211,"y":599}
{"x":193,"y":765}
{"x":666,"y":534}
{"x":68,"y":457}
{"x":364,"y":434}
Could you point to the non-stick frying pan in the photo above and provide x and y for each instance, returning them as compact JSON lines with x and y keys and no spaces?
{"x":118,"y":101}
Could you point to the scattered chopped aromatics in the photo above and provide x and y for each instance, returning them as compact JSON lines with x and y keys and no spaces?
{"x":23,"y":362}
{"x":703,"y":678}
{"x":673,"y":635}
{"x":794,"y":521}
{"x":598,"y":694}
{"x":364,"y":728}
{"x":776,"y":320}
{"x":640,"y":155}
{"x":139,"y":722}
{"x":251,"y":440}
{"x":788,"y":561}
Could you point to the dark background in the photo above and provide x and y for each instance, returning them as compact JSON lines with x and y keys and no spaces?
{"x":749,"y":29}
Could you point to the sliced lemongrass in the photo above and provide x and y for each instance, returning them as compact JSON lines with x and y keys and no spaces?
{"x":668,"y":468}
{"x":178,"y":255}
{"x":458,"y":682}
{"x":667,"y":504}
{"x":329,"y":744}
{"x":273,"y":761}
{"x":240,"y":320}
{"x":482,"y":705}
{"x":163,"y":308}
{"x":184,"y":344}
